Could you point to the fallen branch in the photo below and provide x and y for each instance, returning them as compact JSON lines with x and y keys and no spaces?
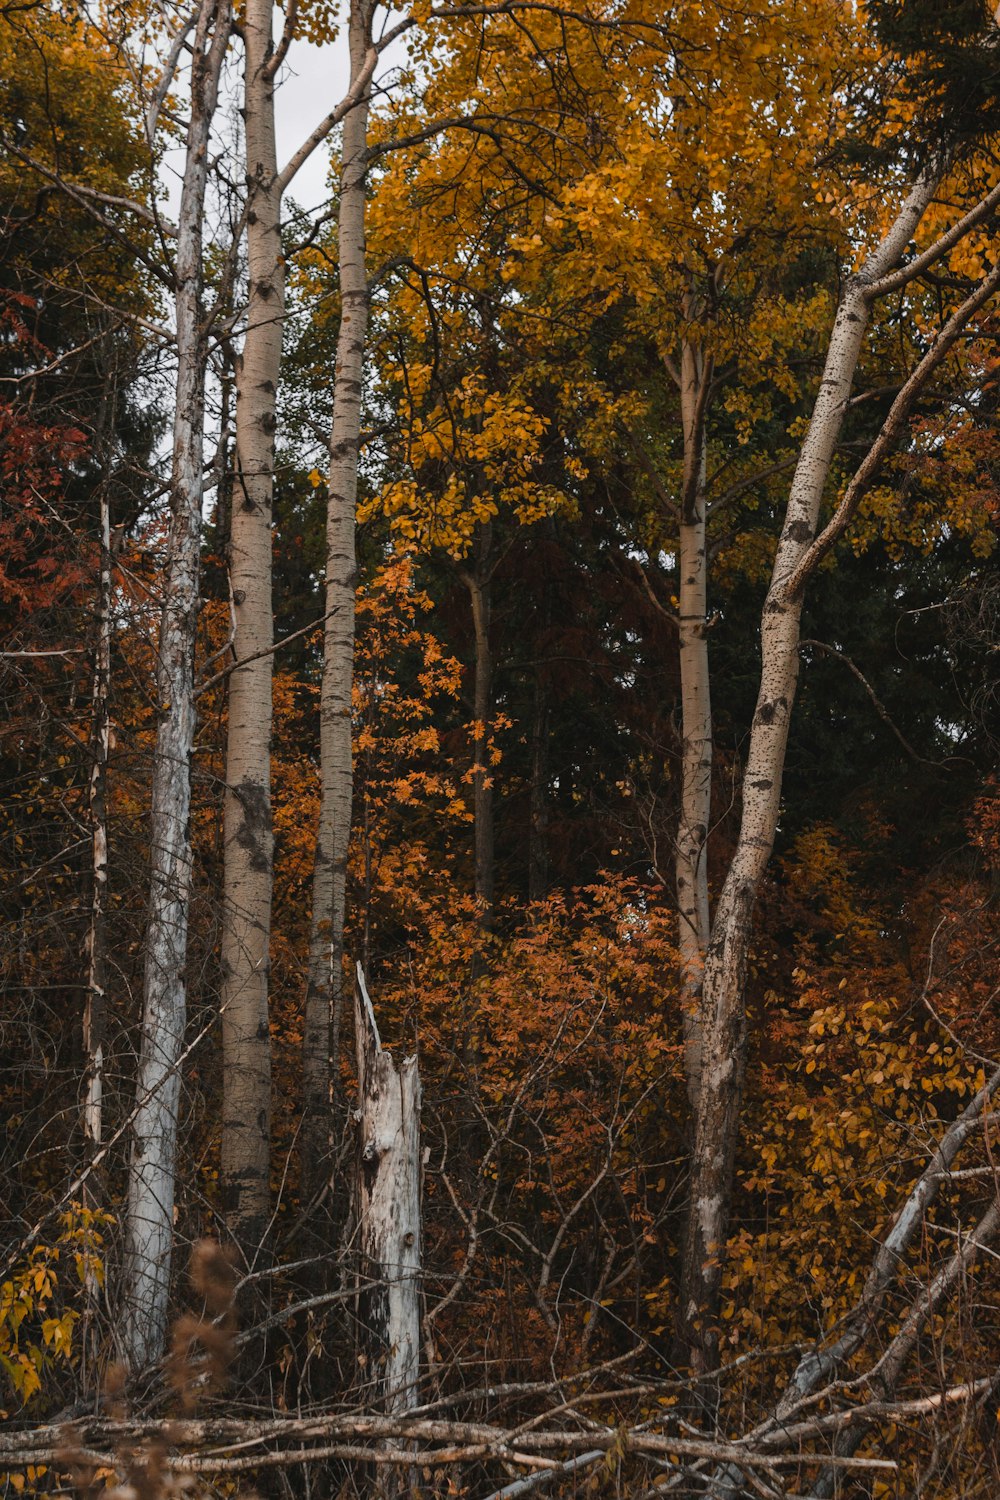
{"x":360,"y":1437}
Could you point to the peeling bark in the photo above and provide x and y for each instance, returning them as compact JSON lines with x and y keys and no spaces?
{"x":388,"y":1213}
{"x":95,"y":1004}
{"x":149,"y":1215}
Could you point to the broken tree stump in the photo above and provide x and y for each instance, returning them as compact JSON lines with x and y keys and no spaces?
{"x":388,"y":1212}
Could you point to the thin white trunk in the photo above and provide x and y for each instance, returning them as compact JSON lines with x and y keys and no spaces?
{"x":721,"y":1090}
{"x":95,"y":1005}
{"x":387,"y":1213}
{"x":691,"y":865}
{"x":325,"y":979}
{"x":248,"y":839}
{"x":149,"y":1216}
{"x":96,"y":1001}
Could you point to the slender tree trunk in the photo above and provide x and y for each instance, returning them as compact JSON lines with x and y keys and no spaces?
{"x":96,"y":1001}
{"x":324,"y":994}
{"x":249,"y":866}
{"x":691,"y":865}
{"x":479,"y":586}
{"x":149,"y":1216}
{"x":221,"y":525}
{"x":95,"y":1004}
{"x":388,"y":1213}
{"x":723,"y":1060}
{"x":538,"y":848}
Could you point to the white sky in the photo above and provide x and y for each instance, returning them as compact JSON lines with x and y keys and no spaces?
{"x":313,"y":81}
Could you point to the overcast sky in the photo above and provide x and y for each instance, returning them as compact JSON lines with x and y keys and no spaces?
{"x":315,"y":79}
{"x":311,"y":83}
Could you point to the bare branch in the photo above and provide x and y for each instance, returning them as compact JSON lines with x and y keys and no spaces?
{"x":287,"y":33}
{"x":244,"y":661}
{"x":319,"y":135}
{"x":167,"y":77}
{"x":877,"y":703}
{"x":820,"y":1363}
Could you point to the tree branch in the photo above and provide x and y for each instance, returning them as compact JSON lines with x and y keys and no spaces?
{"x":891,"y":430}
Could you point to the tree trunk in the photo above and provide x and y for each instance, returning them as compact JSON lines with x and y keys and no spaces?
{"x":691,"y":864}
{"x":149,"y":1215}
{"x":95,"y":1004}
{"x":325,"y":980}
{"x":96,"y":1001}
{"x":721,"y":1085}
{"x":538,"y":847}
{"x":479,"y":586}
{"x":388,"y":1213}
{"x":249,"y":868}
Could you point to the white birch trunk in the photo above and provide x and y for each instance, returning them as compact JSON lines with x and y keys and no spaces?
{"x":720,"y":1094}
{"x":95,"y":1004}
{"x":387,"y":1213}
{"x":96,"y":1001}
{"x":149,"y":1215}
{"x":691,"y":864}
{"x":325,"y":979}
{"x":248,"y":839}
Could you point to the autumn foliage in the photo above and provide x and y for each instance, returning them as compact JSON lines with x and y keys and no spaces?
{"x":605,"y":248}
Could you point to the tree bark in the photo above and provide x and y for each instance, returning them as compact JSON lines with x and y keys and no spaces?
{"x":723,"y":1010}
{"x":249,"y":865}
{"x":324,"y":993}
{"x":149,"y":1214}
{"x":691,"y":863}
{"x":388,"y":1213}
{"x":96,"y":1001}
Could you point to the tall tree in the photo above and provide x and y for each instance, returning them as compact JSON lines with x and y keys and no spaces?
{"x":324,"y":993}
{"x":249,"y":856}
{"x":802,"y":546}
{"x":149,"y":1218}
{"x":248,"y":841}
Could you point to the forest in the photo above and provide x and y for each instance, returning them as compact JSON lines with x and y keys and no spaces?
{"x":499,"y":743}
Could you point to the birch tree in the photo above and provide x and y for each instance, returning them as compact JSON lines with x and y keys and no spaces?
{"x":248,"y":841}
{"x":716,"y":209}
{"x":478,"y":579}
{"x":691,"y":861}
{"x":248,"y":874}
{"x":94,"y":1015}
{"x":325,"y":978}
{"x":801,"y":547}
{"x":149,"y":1215}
